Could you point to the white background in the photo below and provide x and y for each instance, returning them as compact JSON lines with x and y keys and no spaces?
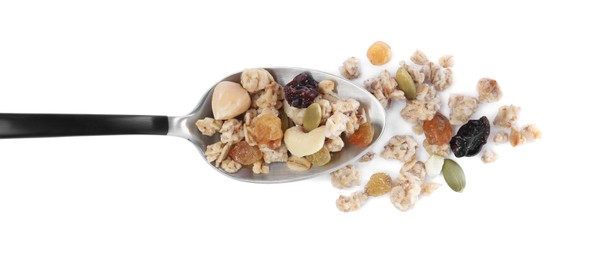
{"x":153,"y":197}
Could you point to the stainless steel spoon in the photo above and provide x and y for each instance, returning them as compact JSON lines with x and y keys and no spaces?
{"x":53,"y":125}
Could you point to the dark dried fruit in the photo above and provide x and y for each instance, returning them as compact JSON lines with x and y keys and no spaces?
{"x":301,"y":91}
{"x":438,"y":130}
{"x":245,"y":154}
{"x":471,"y":137}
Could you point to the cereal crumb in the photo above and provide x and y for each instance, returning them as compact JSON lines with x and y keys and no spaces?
{"x":489,"y":156}
{"x":213,"y":151}
{"x":231,"y":131}
{"x":298,"y":163}
{"x":209,"y":126}
{"x":269,"y":97}
{"x":442,"y":150}
{"x":223,"y":155}
{"x":351,"y":68}
{"x":327,"y":86}
{"x":334,"y":144}
{"x":446,"y":61}
{"x":260,"y":167}
{"x":352,"y":202}
{"x":254,"y":80}
{"x":367,"y":157}
{"x":531,"y":133}
{"x":515,"y":137}
{"x":428,"y":188}
{"x":278,"y":155}
{"x":424,"y":107}
{"x":345,"y":105}
{"x":443,"y":79}
{"x":418,"y":128}
{"x":500,"y":138}
{"x":336,"y":124}
{"x":414,"y":168}
{"x":419,"y":58}
{"x":400,"y":147}
{"x":488,"y":90}
{"x":346,"y":177}
{"x":405,"y":193}
{"x":461,"y":108}
{"x":294,"y":113}
{"x":506,"y":116}
{"x":230,"y":166}
{"x":326,"y":108}
{"x":383,"y":87}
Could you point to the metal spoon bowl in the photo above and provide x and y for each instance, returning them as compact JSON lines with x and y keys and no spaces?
{"x":53,"y":125}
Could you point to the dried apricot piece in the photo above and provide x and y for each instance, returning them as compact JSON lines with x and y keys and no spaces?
{"x":379,"y":53}
{"x":245,"y":154}
{"x":379,"y":184}
{"x":438,"y":130}
{"x":363,"y":136}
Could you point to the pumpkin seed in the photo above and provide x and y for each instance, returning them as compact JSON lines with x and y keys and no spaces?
{"x":312,"y":117}
{"x":284,"y":120}
{"x":319,"y":158}
{"x":453,"y":175}
{"x":406,"y":83}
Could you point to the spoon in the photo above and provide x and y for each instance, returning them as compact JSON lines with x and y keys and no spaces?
{"x":55,"y":125}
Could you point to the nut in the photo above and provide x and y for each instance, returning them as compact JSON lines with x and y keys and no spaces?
{"x":433,"y":165}
{"x":229,"y":100}
{"x":301,"y":144}
{"x":453,"y":175}
{"x":298,"y":163}
{"x":406,"y":83}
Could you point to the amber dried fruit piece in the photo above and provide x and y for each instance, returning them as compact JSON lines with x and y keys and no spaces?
{"x":471,"y":137}
{"x":245,"y":154}
{"x":363,"y":136}
{"x":319,"y":158}
{"x":379,"y":53}
{"x":301,"y":91}
{"x":267,"y":129}
{"x":438,"y":130}
{"x":379,"y":184}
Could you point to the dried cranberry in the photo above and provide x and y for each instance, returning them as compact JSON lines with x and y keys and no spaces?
{"x":471,"y":137}
{"x":301,"y":91}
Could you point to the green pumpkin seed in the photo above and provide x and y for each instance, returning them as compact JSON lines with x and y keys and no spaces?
{"x":284,"y":120}
{"x":312,"y":117}
{"x":453,"y":175}
{"x":406,"y":83}
{"x":319,"y":158}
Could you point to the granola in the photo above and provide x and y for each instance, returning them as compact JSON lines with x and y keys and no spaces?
{"x":461,"y":108}
{"x":352,"y":202}
{"x":507,"y":116}
{"x":400,"y":147}
{"x":350,"y":68}
{"x":209,"y":126}
{"x":346,"y":177}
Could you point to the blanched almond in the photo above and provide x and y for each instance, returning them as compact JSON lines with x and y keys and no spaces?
{"x":229,"y":100}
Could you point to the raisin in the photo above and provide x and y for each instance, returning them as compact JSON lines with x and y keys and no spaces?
{"x":301,"y":91}
{"x":471,"y":137}
{"x":363,"y":136}
{"x":438,"y":130}
{"x":379,"y":184}
{"x":245,"y":154}
{"x":267,"y":129}
{"x":319,"y":158}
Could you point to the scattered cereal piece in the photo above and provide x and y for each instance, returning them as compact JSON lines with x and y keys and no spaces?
{"x":379,"y":184}
{"x":405,"y":193}
{"x":443,"y":150}
{"x":500,"y":138}
{"x":424,"y":107}
{"x":298,"y":163}
{"x":506,"y":116}
{"x":230,"y":166}
{"x":255,"y":79}
{"x":277,"y":155}
{"x":345,"y":105}
{"x":461,"y":108}
{"x":209,"y":126}
{"x":417,"y":128}
{"x":379,"y":53}
{"x":350,"y":68}
{"x":269,"y":97}
{"x":414,"y":168}
{"x":223,"y":155}
{"x":367,"y":157}
{"x":488,"y":90}
{"x":383,"y":87}
{"x":336,"y":124}
{"x":327,"y":86}
{"x":428,"y":188}
{"x":531,"y":132}
{"x":446,"y":61}
{"x":352,"y":202}
{"x":442,"y":79}
{"x":346,"y":177}
{"x":489,"y":156}
{"x":231,"y":131}
{"x":419,"y":58}
{"x":400,"y":147}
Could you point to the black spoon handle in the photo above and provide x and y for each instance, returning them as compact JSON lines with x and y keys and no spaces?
{"x":51,"y":125}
